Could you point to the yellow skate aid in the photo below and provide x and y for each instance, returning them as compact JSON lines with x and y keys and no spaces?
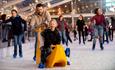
{"x":57,"y":57}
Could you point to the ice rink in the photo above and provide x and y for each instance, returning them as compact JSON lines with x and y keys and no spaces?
{"x":82,"y":57}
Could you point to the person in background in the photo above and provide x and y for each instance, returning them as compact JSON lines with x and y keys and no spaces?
{"x":112,"y":27}
{"x":10,"y":34}
{"x":40,"y":16}
{"x":68,"y":30}
{"x":80,"y":27}
{"x":4,"y":28}
{"x":62,"y":26}
{"x":18,"y":30}
{"x":106,"y":31}
{"x":0,"y":29}
{"x":99,"y":23}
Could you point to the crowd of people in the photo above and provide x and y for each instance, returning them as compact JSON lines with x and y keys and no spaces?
{"x":13,"y":29}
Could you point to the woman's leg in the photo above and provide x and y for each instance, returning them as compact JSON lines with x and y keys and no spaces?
{"x":100,"y":32}
{"x":83,"y":37}
{"x":79,"y":33}
{"x":94,"y":37}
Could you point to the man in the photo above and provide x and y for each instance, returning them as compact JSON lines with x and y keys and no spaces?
{"x":40,"y":16}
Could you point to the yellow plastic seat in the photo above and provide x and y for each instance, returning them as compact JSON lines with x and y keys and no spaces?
{"x":57,"y":57}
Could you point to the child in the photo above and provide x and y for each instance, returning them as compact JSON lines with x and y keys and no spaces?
{"x":51,"y":37}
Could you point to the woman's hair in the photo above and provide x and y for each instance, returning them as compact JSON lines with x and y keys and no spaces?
{"x":3,"y":17}
{"x":82,"y":16}
{"x":14,"y":10}
{"x":60,"y":16}
{"x":96,"y":10}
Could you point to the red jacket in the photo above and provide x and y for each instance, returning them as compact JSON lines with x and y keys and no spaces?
{"x":59,"y":24}
{"x":100,"y":19}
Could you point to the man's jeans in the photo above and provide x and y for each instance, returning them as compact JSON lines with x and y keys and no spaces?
{"x":18,"y":42}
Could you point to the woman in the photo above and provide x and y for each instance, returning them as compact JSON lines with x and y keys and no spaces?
{"x":18,"y":26}
{"x":99,"y":23}
{"x":80,"y":27}
{"x":62,"y":26}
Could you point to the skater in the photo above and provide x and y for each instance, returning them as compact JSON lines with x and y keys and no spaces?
{"x":99,"y":23}
{"x":106,"y":31}
{"x":80,"y":27}
{"x":51,"y":37}
{"x":62,"y":25}
{"x":18,"y":30}
{"x":112,"y":28}
{"x":4,"y":28}
{"x":40,"y":16}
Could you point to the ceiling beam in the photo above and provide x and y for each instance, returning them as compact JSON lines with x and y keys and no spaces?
{"x":11,"y":3}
